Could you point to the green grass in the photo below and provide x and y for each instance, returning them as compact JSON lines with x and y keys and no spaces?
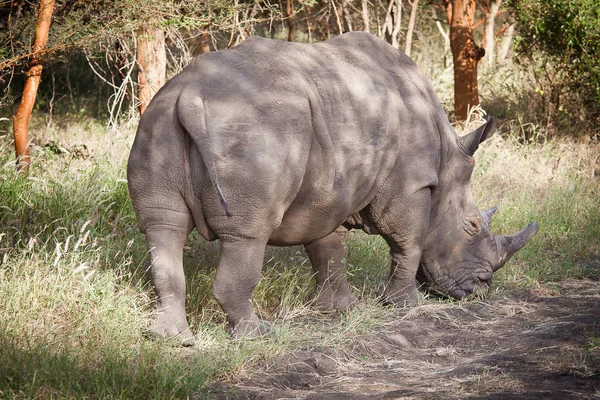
{"x":556,"y":185}
{"x":75,"y":298}
{"x":74,"y":295}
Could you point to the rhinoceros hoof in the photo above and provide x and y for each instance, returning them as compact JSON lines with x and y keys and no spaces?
{"x":326,"y":301}
{"x":406,"y":297}
{"x":178,"y":333}
{"x":252,"y":328}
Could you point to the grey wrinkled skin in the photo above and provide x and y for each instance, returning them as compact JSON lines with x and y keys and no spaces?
{"x":284,"y":143}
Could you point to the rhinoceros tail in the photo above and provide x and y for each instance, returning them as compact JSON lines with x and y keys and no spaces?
{"x":192,"y":117}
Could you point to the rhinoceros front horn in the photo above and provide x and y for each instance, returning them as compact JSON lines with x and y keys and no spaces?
{"x":509,"y":245}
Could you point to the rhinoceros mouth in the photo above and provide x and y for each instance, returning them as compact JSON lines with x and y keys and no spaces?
{"x":460,"y":292}
{"x":478,"y":280}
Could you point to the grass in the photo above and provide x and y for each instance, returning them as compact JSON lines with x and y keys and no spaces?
{"x":74,"y":295}
{"x":554,"y":184}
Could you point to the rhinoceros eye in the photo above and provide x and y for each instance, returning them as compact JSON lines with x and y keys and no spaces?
{"x":472,"y":225}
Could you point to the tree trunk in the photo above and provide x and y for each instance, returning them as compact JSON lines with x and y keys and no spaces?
{"x":489,"y":30}
{"x":337,"y":11}
{"x":151,"y":58}
{"x":411,"y":26}
{"x":445,"y":35}
{"x":466,"y":54}
{"x":289,"y":13}
{"x":32,"y":81}
{"x":347,"y":16}
{"x":204,"y":42}
{"x":393,"y":19}
{"x":309,"y":28}
{"x":365,"y":15}
{"x":507,"y":40}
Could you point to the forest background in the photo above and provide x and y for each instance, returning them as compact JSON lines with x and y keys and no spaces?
{"x":74,"y":294}
{"x":106,"y":58}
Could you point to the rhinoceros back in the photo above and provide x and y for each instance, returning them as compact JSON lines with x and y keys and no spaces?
{"x":305,"y":134}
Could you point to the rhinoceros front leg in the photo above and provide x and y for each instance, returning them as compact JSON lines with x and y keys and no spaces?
{"x":400,"y":287}
{"x":328,"y":259}
{"x":405,"y":227}
{"x":238,"y":273}
{"x":165,"y":245}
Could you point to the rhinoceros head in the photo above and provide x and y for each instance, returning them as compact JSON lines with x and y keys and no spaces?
{"x":461,"y":253}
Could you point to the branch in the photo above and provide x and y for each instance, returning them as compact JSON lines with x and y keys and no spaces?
{"x":44,"y":52}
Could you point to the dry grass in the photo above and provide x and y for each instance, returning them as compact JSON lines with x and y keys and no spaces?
{"x":75,"y":296}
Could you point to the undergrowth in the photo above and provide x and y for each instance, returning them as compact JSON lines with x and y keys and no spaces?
{"x":75,"y":298}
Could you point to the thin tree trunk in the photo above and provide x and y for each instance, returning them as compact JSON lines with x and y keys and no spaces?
{"x":411,"y":25}
{"x":507,"y":40}
{"x":445,"y":35}
{"x":347,"y":16}
{"x":337,"y":17}
{"x":32,"y":82}
{"x":393,"y":19}
{"x":365,"y":15}
{"x":466,"y":54}
{"x":446,"y":42}
{"x":489,"y":30}
{"x":204,"y":42}
{"x":307,"y":11}
{"x":151,"y":61}
{"x":289,"y":12}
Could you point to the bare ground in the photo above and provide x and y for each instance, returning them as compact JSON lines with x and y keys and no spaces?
{"x":535,"y":344}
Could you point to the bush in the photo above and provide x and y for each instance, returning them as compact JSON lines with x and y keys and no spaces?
{"x":559,"y":40}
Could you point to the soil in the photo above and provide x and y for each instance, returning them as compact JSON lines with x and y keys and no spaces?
{"x":535,"y":344}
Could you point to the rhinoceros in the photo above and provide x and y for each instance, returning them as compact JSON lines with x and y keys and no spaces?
{"x":277,"y":143}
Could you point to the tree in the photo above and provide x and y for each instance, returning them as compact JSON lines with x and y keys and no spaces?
{"x":411,"y":26}
{"x":32,"y":81}
{"x":489,"y":34}
{"x":289,"y":15}
{"x":393,"y":19}
{"x":507,"y":41}
{"x":560,"y":39}
{"x":466,"y":55}
{"x":365,"y":15}
{"x":151,"y":59}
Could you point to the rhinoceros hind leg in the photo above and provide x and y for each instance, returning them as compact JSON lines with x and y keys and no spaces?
{"x":165,"y":244}
{"x":162,"y":327}
{"x":328,"y":258}
{"x":238,"y":273}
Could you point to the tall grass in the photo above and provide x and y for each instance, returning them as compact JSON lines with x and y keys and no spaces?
{"x":74,"y":295}
{"x":73,"y":298}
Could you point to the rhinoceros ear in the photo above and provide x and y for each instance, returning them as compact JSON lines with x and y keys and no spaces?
{"x":470,"y":143}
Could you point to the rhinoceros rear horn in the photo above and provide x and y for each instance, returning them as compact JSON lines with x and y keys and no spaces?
{"x":486,"y":215}
{"x":509,"y":245}
{"x":470,"y":143}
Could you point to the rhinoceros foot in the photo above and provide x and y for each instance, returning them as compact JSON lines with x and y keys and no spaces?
{"x":252,"y":328}
{"x":326,"y":300}
{"x":163,"y":327}
{"x":406,"y":296}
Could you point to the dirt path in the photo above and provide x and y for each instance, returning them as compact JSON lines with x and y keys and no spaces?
{"x":542,"y":344}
